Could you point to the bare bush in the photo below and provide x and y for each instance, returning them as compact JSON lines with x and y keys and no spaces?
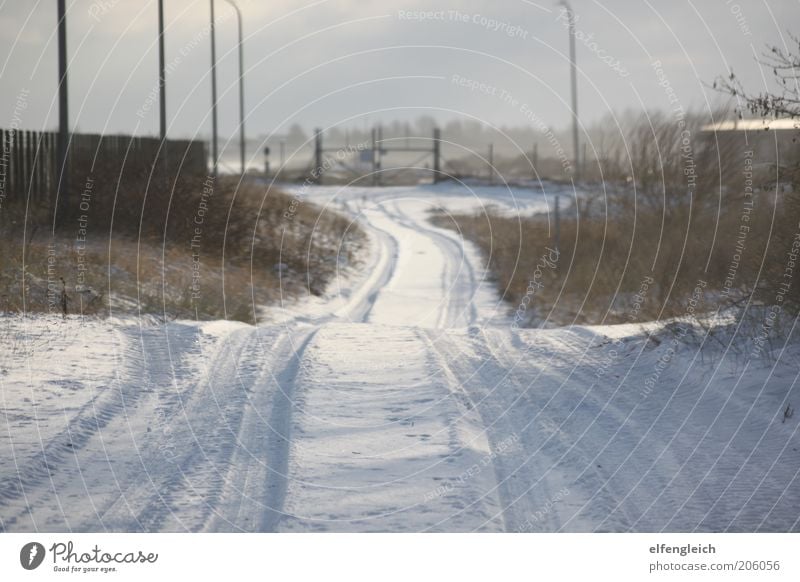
{"x":692,"y":208}
{"x":186,"y":247}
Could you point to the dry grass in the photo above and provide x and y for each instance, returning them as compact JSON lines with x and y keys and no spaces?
{"x":194,"y":249}
{"x":640,"y":249}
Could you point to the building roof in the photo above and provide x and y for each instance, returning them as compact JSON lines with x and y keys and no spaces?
{"x":753,"y":125}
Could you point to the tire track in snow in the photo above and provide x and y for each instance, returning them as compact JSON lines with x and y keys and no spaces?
{"x":256,"y":481}
{"x":460,"y":297}
{"x":61,"y":454}
{"x":183,"y":483}
{"x":478,"y":377}
{"x":383,"y":444}
{"x":280,"y":438}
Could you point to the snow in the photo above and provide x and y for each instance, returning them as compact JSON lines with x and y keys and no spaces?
{"x":454,"y":197}
{"x":403,"y":400}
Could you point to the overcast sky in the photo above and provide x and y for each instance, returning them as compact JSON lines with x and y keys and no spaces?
{"x":354,"y":62}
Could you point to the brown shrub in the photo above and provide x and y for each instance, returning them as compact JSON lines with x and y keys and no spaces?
{"x":192,"y":247}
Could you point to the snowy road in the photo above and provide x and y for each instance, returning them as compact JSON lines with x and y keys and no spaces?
{"x":402,"y":401}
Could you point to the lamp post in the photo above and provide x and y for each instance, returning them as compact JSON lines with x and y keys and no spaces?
{"x":213,"y":96}
{"x":62,"y":143}
{"x":162,"y":77}
{"x":162,"y":87}
{"x":574,"y":86}
{"x":241,"y":84}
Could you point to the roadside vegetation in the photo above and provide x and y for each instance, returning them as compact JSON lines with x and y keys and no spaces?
{"x":691,"y":221}
{"x":184,"y":248}
{"x":684,"y":216}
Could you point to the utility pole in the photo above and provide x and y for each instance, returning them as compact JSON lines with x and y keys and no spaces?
{"x":535,"y":160}
{"x":574,"y":87}
{"x":213,"y":96}
{"x":63,"y":113}
{"x":241,"y":84}
{"x":162,"y":86}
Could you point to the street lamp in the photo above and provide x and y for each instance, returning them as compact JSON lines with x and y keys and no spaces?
{"x":213,"y":96}
{"x":241,"y":83}
{"x":62,"y":143}
{"x":574,"y":84}
{"x":162,"y":88}
{"x":162,"y":77}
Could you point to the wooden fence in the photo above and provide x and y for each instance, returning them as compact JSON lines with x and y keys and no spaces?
{"x":29,"y":167}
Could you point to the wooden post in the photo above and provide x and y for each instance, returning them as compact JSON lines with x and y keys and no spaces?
{"x":317,"y":156}
{"x":19,"y":169}
{"x":491,"y":164}
{"x":558,"y":224}
{"x":3,"y":169}
{"x":26,"y":162}
{"x":374,"y":161}
{"x":48,"y":166}
{"x":437,"y":152}
{"x":37,"y":166}
{"x":582,"y":171}
{"x":378,"y":152}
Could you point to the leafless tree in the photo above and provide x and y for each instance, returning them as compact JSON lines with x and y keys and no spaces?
{"x":784,"y":102}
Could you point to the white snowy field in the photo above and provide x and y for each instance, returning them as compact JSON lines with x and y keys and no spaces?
{"x":402,"y":401}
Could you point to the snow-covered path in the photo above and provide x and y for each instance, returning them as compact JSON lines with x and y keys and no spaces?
{"x":403,"y":401}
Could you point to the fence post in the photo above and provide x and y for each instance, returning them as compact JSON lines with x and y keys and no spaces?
{"x":582,"y":171}
{"x":374,"y":161}
{"x":51,"y":166}
{"x":37,"y":166}
{"x":30,"y":154}
{"x":8,"y":142}
{"x":379,"y":152}
{"x":317,"y":156}
{"x":491,"y":164}
{"x":558,"y":224}
{"x":437,"y":153}
{"x":18,"y":164}
{"x":3,"y":171}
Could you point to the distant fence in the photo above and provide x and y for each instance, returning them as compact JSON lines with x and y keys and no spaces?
{"x":29,"y":163}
